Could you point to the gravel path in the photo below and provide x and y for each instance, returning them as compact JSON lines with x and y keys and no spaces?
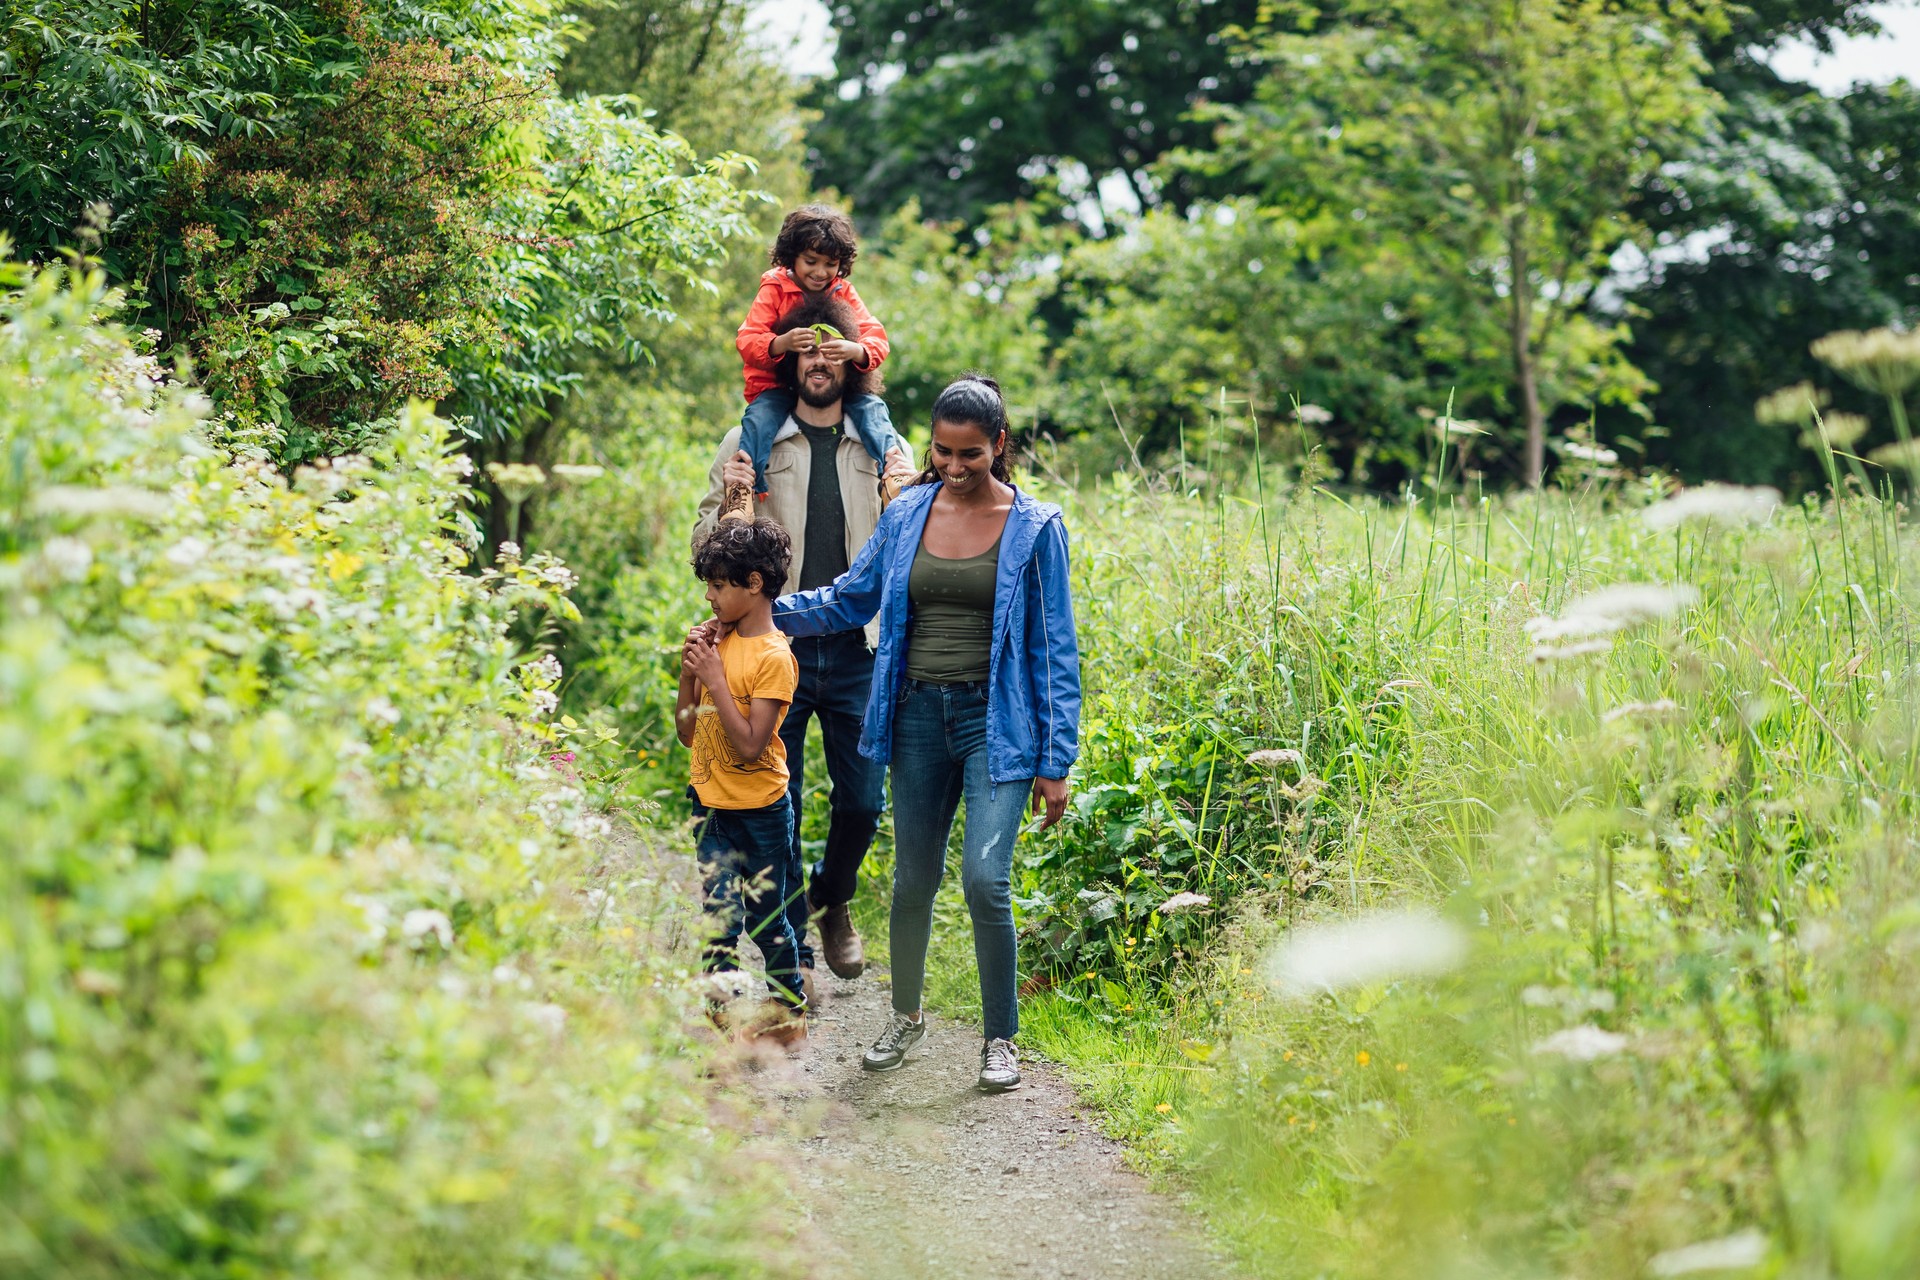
{"x":912,"y":1173}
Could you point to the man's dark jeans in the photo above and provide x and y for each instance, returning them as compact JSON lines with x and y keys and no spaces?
{"x":743,"y":875}
{"x":836,"y":672}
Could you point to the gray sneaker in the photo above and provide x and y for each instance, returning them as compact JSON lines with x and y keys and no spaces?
{"x":890,"y":1050}
{"x":999,"y":1067}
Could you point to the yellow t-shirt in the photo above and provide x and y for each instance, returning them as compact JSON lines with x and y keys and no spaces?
{"x":757,"y":667}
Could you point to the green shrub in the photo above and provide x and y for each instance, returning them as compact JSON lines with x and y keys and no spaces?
{"x":319,"y":953}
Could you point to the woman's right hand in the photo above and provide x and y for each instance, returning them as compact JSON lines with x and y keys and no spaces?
{"x":1050,"y":795}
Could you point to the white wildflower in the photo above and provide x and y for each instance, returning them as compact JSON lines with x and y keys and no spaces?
{"x":420,"y":923}
{"x":381,"y":711}
{"x":1375,"y":948}
{"x":542,"y":703}
{"x":1583,"y":1043}
{"x":573,"y":471}
{"x":1716,"y":504}
{"x":1313,"y":415}
{"x":66,"y":559}
{"x":1572,"y":999}
{"x":509,"y":551}
{"x":550,"y":1018}
{"x":1729,"y":1253}
{"x":1658,"y":709}
{"x":188,"y":552}
{"x":507,"y":976}
{"x":1583,"y":452}
{"x":111,"y":500}
{"x":1274,"y":757}
{"x":545,"y":669}
{"x":1183,"y":902}
{"x":1612,"y":609}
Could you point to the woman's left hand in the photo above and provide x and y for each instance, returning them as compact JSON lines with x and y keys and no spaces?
{"x":1050,"y":794}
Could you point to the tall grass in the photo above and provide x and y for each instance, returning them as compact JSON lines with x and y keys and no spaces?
{"x":1697,"y":842}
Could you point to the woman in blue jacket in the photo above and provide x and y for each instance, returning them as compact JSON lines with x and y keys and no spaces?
{"x":976,"y":695}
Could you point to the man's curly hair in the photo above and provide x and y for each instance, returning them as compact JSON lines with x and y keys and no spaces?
{"x":815,"y":228}
{"x":737,"y":549}
{"x":823,"y":310}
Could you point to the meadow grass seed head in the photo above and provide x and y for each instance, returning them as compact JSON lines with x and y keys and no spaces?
{"x":1737,"y":1252}
{"x":1274,"y":757}
{"x":1883,"y":360}
{"x":1611,"y":609}
{"x":1715,"y":504}
{"x":1363,"y":950}
{"x":1567,"y":652}
{"x":1584,"y":1043}
{"x":1658,"y":709}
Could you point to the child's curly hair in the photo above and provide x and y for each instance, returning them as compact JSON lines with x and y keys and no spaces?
{"x":737,"y":549}
{"x":815,"y":228}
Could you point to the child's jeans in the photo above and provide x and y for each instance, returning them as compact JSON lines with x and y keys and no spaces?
{"x":866,"y":415}
{"x":743,"y":875}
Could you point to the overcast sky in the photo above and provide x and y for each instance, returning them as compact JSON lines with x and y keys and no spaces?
{"x":801,"y":30}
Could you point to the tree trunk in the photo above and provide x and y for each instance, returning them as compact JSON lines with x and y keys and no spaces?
{"x":1520,"y":336}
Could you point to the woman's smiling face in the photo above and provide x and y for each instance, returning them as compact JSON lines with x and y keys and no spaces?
{"x":963,"y":454}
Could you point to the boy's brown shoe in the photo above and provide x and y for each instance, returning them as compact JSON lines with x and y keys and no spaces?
{"x":808,"y":986}
{"x":840,"y":943}
{"x":779,"y":1023}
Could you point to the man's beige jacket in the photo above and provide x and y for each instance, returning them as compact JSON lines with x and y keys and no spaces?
{"x":789,"y":467}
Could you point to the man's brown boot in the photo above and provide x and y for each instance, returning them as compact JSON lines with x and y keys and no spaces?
{"x":840,"y":943}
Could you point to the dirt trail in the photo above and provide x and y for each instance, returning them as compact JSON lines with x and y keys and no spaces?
{"x":912,"y":1173}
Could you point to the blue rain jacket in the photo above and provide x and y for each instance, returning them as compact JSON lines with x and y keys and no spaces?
{"x":1033,"y":684}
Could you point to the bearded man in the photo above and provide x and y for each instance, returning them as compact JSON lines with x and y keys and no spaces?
{"x":824,"y":489}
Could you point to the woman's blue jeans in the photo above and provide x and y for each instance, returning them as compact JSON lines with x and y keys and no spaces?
{"x":939,"y":757}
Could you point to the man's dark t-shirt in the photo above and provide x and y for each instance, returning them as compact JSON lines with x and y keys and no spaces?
{"x":826,"y":535}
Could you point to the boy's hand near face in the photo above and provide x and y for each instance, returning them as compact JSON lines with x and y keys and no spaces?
{"x":843,"y":350}
{"x":794,"y":342}
{"x":701,"y":660}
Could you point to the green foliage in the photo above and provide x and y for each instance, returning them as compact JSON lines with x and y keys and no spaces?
{"x":1491,"y":154}
{"x":960,"y":108}
{"x":319,"y":954}
{"x":1810,"y":210}
{"x":952,"y":304}
{"x":1687,"y":855}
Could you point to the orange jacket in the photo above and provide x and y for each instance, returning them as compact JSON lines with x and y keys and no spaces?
{"x":779,"y":294}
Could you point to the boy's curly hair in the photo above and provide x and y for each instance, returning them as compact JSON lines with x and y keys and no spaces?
{"x":824,"y":310}
{"x":737,"y":549}
{"x":816,"y":228}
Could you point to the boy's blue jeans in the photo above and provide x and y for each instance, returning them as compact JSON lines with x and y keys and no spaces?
{"x":867,"y":416}
{"x":743,"y":876}
{"x":940,"y":757}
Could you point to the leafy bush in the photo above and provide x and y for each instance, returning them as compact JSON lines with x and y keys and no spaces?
{"x":319,"y":954}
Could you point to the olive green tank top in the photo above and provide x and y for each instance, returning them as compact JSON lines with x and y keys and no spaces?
{"x":951,"y":639}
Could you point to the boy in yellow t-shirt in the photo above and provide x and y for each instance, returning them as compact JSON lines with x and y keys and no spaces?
{"x":737,"y":677}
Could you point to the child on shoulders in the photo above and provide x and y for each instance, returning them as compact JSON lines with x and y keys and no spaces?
{"x":812,"y":256}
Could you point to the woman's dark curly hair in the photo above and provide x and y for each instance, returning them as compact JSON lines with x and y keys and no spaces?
{"x":736,"y":549}
{"x":821,"y":309}
{"x":975,"y":399}
{"x":815,"y":228}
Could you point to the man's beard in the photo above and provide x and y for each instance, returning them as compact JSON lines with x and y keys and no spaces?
{"x":826,"y":397}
